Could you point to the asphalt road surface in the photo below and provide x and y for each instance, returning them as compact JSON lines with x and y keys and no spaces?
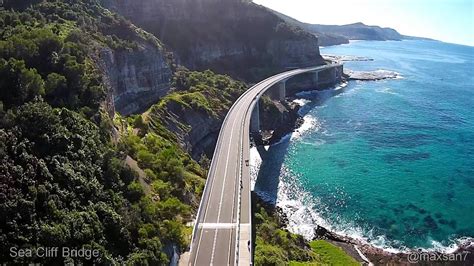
{"x":222,"y":227}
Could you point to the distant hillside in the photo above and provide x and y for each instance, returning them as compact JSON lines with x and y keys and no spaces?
{"x":340,"y":34}
{"x":324,"y":38}
{"x":359,"y":31}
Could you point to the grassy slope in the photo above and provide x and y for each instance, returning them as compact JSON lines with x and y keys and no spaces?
{"x":328,"y":254}
{"x":277,"y":246}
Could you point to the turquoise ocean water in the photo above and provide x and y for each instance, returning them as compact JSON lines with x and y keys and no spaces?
{"x":390,"y":162}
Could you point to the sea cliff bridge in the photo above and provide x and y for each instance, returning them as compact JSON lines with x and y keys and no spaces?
{"x":222,"y":232}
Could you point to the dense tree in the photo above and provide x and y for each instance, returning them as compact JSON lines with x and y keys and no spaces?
{"x":59,"y":186}
{"x":63,"y":182}
{"x":16,"y":4}
{"x":18,"y":83}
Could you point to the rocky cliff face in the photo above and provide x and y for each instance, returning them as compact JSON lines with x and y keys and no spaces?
{"x":137,"y":77}
{"x":196,"y":130}
{"x":233,"y":37}
{"x":195,"y":110}
{"x":278,"y":118}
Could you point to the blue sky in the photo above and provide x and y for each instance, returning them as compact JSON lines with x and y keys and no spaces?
{"x":445,"y":20}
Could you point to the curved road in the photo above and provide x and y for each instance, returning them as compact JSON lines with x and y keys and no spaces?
{"x":222,"y":231}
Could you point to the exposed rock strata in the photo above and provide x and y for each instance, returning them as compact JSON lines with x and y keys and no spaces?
{"x":196,"y":130}
{"x":137,"y":78}
{"x":234,"y":37}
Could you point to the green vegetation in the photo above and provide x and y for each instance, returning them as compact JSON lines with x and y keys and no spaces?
{"x":68,"y":179}
{"x":63,"y":180}
{"x":169,"y":170}
{"x":204,"y":91}
{"x":197,"y":95}
{"x":331,"y":254}
{"x":276,"y":246}
{"x":51,"y":49}
{"x":328,"y":254}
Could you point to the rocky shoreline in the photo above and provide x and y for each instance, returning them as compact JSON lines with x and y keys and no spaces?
{"x":362,"y":251}
{"x":371,"y":75}
{"x":345,"y":58}
{"x":463,"y":255}
{"x":368,"y":254}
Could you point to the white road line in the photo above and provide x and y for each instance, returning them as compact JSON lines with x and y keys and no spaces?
{"x":238,"y":184}
{"x":207,"y":206}
{"x":223,"y":185}
{"x":218,"y":225}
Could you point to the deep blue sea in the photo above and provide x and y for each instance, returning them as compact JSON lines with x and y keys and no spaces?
{"x":390,"y":162}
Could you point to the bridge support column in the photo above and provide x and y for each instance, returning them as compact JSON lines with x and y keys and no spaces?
{"x":255,"y":119}
{"x":282,"y":90}
{"x":334,"y":75}
{"x":340,"y":71}
{"x":316,"y":79}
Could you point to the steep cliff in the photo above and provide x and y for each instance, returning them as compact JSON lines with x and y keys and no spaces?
{"x":195,"y":110}
{"x":233,"y":37}
{"x":137,"y":77}
{"x":277,"y":119}
{"x":136,"y":67}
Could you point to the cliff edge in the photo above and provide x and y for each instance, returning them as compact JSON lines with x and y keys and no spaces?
{"x":232,"y":37}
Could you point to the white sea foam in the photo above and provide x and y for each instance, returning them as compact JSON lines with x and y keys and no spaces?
{"x":301,"y":102}
{"x":303,"y":210}
{"x":301,"y":207}
{"x":285,"y":138}
{"x":310,"y":123}
{"x":254,"y":163}
{"x":387,"y":91}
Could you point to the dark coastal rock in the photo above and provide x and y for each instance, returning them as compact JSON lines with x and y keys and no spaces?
{"x":404,"y":157}
{"x":443,"y":221}
{"x":346,"y":58}
{"x":422,"y":211}
{"x":452,"y":224}
{"x":398,"y":211}
{"x":278,"y":119}
{"x":371,"y":75}
{"x":322,"y":233}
